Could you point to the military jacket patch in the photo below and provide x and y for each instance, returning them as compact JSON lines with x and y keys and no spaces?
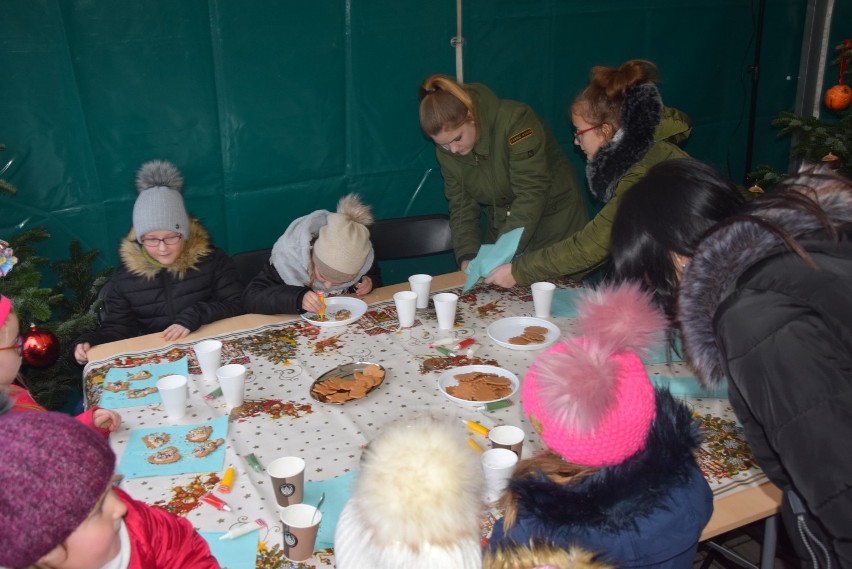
{"x":516,"y":138}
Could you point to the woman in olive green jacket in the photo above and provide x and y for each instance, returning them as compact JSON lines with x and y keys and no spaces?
{"x":498,"y":155}
{"x":623,"y":128}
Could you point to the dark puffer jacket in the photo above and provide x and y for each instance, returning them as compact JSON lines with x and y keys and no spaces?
{"x":782,"y":333}
{"x":647,"y":511}
{"x":200,"y":287}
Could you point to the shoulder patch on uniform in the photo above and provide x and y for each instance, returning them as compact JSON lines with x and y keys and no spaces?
{"x":516,"y":138}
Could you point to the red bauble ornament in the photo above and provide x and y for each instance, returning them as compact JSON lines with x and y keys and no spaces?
{"x":838,"y":97}
{"x":40,"y":347}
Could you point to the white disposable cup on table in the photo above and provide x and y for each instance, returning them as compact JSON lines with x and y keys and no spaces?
{"x":405,"y":301}
{"x":232,"y":380}
{"x":301,"y":525}
{"x":445,"y":309}
{"x":542,"y":294}
{"x":173,"y":394}
{"x":209,"y":356}
{"x":497,"y":466}
{"x":288,"y":479}
{"x":508,"y":437}
{"x":421,"y":284}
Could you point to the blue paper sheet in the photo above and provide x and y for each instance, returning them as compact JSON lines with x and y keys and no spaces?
{"x":490,"y":257}
{"x":337,"y":493}
{"x":565,"y":302}
{"x":134,"y":462}
{"x":236,"y":553}
{"x":119,"y":399}
{"x":689,"y":387}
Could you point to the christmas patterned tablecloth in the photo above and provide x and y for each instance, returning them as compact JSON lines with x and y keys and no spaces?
{"x":280,"y":418}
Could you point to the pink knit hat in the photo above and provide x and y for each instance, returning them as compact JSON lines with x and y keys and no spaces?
{"x":5,"y":309}
{"x":590,"y":397}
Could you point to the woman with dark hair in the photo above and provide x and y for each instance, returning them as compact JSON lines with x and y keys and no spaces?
{"x":623,"y":128}
{"x":762,"y":294}
{"x":498,"y":157}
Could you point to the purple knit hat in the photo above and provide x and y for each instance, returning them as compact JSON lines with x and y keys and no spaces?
{"x":590,"y":397}
{"x":53,"y":471}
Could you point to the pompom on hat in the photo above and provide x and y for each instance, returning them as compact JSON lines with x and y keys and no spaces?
{"x":54,"y":470}
{"x":590,"y":397}
{"x":159,"y":205}
{"x":417,"y":503}
{"x":343,"y":245}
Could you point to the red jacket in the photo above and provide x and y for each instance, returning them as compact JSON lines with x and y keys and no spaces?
{"x":160,"y":540}
{"x":23,"y":401}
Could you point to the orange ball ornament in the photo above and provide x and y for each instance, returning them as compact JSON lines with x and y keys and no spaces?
{"x":838,"y":97}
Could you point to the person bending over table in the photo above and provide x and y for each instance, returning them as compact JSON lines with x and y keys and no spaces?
{"x":623,"y":128}
{"x":321,"y":251}
{"x":172,"y":280}
{"x":496,"y":154}
{"x":761,"y":293}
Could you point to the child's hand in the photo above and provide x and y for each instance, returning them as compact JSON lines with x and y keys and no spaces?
{"x":364,"y":286}
{"x":311,"y":302}
{"x":174,"y":332}
{"x":80,"y":353}
{"x":502,"y":276}
{"x":106,"y":419}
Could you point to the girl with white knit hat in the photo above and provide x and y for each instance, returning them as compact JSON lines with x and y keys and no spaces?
{"x":319,"y":252}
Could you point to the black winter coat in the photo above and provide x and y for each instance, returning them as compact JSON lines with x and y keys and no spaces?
{"x":200,"y":287}
{"x":782,"y":333}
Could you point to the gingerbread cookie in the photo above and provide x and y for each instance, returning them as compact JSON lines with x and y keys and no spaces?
{"x":156,"y":440}
{"x":166,"y":456}
{"x":117,"y":386}
{"x":206,"y":448}
{"x":137,"y":393}
{"x":199,"y":434}
{"x":144,"y":374}
{"x":342,"y":314}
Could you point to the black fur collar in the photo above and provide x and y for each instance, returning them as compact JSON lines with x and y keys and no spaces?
{"x":614,"y":497}
{"x":720,"y":260}
{"x":641,"y":112}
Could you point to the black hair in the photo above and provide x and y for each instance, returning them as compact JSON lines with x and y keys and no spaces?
{"x":668,"y":211}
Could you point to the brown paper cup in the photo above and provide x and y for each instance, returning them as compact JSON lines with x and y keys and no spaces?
{"x":288,"y":479}
{"x":301,"y":523}
{"x":507,"y":436}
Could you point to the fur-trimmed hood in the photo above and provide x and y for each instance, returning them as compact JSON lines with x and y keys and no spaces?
{"x":722,"y":258}
{"x":197,"y":246}
{"x":611,"y":499}
{"x":641,"y":112}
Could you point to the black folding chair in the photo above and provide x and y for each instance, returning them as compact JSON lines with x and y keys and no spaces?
{"x":407,"y":237}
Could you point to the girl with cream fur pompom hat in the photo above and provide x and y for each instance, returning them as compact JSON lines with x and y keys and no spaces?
{"x":322,"y":251}
{"x":417,"y":503}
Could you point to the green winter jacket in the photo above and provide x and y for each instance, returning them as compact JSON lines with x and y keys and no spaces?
{"x":587,"y":248}
{"x":517,"y":172}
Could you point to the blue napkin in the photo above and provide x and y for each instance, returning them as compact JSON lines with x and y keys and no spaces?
{"x":337,"y":493}
{"x":565,"y":302}
{"x":490,"y":257}
{"x":689,"y":387}
{"x":239,"y":552}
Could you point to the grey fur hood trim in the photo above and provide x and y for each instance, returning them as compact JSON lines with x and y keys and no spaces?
{"x":641,"y":112}
{"x":722,"y":258}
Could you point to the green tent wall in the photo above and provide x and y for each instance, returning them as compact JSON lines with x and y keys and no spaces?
{"x":272,"y":109}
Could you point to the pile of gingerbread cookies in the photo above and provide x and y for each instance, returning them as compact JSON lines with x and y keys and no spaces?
{"x":480,"y":386}
{"x":530,"y":335}
{"x":343,"y":389}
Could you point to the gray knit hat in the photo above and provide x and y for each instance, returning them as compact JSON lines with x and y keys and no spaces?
{"x":160,"y":204}
{"x":343,"y":244}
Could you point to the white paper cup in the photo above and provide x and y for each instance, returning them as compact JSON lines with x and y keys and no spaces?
{"x":288,"y":479}
{"x":507,"y":436}
{"x":421,"y":284}
{"x":445,"y":308}
{"x":209,"y":356}
{"x":542,"y":294}
{"x":405,"y":301}
{"x":301,"y":524}
{"x":232,"y":380}
{"x":497,"y":466}
{"x":173,"y":393}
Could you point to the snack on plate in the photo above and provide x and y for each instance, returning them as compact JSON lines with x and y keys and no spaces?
{"x":206,"y":448}
{"x":199,"y":434}
{"x":530,"y":335}
{"x":480,"y":386}
{"x":166,"y":456}
{"x":343,"y":314}
{"x":341,"y":390}
{"x":144,"y":374}
{"x":117,"y":386}
{"x":156,"y":440}
{"x":137,"y":393}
